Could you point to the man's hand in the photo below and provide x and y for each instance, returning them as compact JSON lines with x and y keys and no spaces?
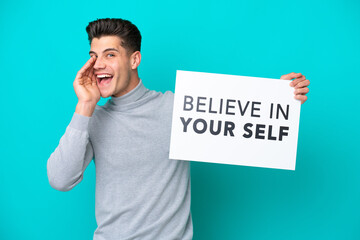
{"x":300,"y":83}
{"x":86,"y":89}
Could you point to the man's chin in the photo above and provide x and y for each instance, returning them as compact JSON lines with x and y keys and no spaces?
{"x":105,"y":94}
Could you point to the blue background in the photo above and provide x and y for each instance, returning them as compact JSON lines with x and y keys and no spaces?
{"x":44,"y":44}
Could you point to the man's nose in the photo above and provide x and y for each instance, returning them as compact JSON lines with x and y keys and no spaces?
{"x":99,"y":64}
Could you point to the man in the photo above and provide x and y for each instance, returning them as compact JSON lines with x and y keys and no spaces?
{"x":140,"y":192}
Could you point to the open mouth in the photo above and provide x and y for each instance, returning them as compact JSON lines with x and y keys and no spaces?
{"x":104,"y":79}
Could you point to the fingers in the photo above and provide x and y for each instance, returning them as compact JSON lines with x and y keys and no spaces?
{"x":301,"y":88}
{"x":85,"y":69}
{"x":91,"y":73}
{"x":297,"y":80}
{"x":302,"y":84}
{"x":302,"y":98}
{"x":90,"y":69}
{"x":291,"y":76}
{"x":301,"y":91}
{"x":93,"y":79}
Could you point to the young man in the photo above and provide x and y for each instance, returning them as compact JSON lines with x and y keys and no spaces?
{"x":140,"y":192}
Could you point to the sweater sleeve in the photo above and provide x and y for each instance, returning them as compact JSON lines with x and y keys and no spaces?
{"x":66,"y":165}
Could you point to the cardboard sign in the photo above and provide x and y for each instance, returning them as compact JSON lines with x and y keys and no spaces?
{"x":234,"y":120}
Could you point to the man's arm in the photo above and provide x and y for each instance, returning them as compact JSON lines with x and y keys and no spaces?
{"x":66,"y":165}
{"x":300,"y":83}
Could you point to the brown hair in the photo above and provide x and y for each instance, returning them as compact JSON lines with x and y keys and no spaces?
{"x":128,"y":33}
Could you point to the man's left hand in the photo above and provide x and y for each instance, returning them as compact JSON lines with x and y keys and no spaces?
{"x":300,"y":83}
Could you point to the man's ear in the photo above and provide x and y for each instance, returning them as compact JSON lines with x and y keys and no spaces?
{"x":135,"y":59}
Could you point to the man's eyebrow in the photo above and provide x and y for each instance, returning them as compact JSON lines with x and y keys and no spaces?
{"x":106,"y":50}
{"x":111,"y":49}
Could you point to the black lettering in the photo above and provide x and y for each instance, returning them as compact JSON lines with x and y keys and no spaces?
{"x":212,"y":127}
{"x":210,"y":104}
{"x":221,"y":103}
{"x":259,"y":131}
{"x":248,"y":130}
{"x":269,"y":134}
{"x":286,"y":116}
{"x":229,"y":106}
{"x":282,"y":133}
{"x":185,"y":123}
{"x":198,"y":104}
{"x":196,"y":129}
{"x":229,"y":127}
{"x":271,"y":110}
{"x":188,"y":103}
{"x":242,"y":112}
{"x":253,"y":109}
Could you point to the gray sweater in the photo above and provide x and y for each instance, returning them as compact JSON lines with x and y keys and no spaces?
{"x":140,"y":192}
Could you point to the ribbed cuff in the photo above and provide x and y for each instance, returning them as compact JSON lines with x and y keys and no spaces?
{"x":80,"y":122}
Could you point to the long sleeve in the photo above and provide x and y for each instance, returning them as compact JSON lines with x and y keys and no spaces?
{"x":66,"y":165}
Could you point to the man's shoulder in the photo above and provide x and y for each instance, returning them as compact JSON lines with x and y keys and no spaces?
{"x":156,"y":100}
{"x":168,"y":94}
{"x":166,"y":97}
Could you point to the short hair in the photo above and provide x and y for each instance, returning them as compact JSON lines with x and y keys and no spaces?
{"x":128,"y":33}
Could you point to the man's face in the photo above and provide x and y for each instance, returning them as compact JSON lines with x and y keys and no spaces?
{"x":112,"y":67}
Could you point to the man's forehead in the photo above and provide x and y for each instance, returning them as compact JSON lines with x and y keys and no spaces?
{"x":106,"y":42}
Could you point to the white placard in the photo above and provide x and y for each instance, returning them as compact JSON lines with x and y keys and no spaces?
{"x":234,"y":120}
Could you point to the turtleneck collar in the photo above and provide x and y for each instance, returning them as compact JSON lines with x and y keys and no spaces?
{"x":131,"y":97}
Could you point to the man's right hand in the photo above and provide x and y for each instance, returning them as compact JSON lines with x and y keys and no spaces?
{"x":86,"y":89}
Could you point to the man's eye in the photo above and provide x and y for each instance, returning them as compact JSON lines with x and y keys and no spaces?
{"x":110,"y":55}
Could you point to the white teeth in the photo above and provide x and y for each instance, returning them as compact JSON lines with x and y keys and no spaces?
{"x":103,"y":76}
